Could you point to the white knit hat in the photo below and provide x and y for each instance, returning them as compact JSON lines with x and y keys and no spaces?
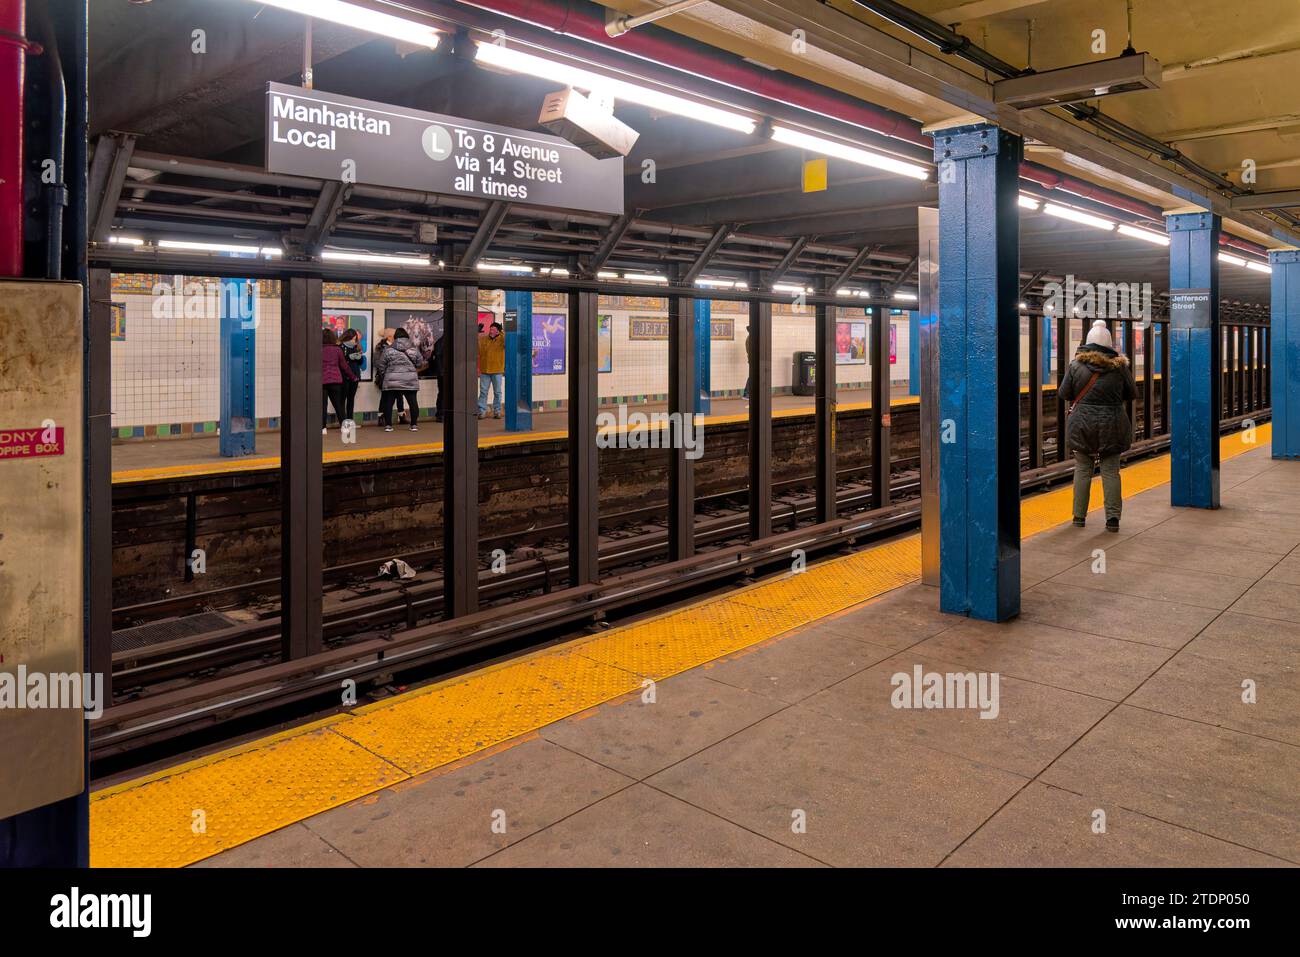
{"x":1099,"y":335}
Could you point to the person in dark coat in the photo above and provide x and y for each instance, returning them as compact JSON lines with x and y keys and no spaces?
{"x":1097,"y":385}
{"x":350,"y":343}
{"x":334,"y":371}
{"x":435,"y":364}
{"x":397,"y":370}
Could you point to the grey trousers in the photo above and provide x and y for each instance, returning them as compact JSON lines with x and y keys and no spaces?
{"x":1110,"y":487}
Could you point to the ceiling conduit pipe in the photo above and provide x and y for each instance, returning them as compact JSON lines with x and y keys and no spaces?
{"x":13,"y":50}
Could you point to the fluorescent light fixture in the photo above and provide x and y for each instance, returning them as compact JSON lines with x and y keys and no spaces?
{"x":1144,"y":234}
{"x":218,"y":247}
{"x":790,"y":287}
{"x":854,"y":154}
{"x":503,"y":267}
{"x":1235,"y":260}
{"x":1028,"y":202}
{"x":1078,"y":216}
{"x":906,"y":296}
{"x":362,"y":18}
{"x":845,"y":292}
{"x":606,"y":275}
{"x":644,"y":277}
{"x":338,"y":255}
{"x":553,"y":271}
{"x":126,"y":240}
{"x":1024,"y":306}
{"x":517,"y":61}
{"x":716,"y":283}
{"x":1259,"y":267}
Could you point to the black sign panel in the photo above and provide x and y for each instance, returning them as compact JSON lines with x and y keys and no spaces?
{"x":332,"y":137}
{"x":1189,"y":308}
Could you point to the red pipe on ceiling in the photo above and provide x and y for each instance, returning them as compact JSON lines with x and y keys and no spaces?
{"x":13,"y":50}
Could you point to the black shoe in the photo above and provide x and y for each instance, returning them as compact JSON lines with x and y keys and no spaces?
{"x":1079,"y":523}
{"x":1112,"y":524}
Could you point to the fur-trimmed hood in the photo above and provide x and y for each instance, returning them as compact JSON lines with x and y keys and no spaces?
{"x":1099,"y":357}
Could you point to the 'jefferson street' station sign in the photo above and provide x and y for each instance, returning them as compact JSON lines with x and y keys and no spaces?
{"x":327,"y":136}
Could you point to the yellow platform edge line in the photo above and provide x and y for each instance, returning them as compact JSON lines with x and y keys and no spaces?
{"x":135,"y":848}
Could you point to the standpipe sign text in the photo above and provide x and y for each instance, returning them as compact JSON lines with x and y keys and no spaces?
{"x":313,"y":133}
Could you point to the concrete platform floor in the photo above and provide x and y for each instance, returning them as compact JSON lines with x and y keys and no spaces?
{"x":139,"y":454}
{"x":1121,"y":694}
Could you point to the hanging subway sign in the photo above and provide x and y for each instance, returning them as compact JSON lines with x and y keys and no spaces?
{"x":326,"y":136}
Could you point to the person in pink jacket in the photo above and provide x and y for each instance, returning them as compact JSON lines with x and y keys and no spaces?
{"x":334,"y":368}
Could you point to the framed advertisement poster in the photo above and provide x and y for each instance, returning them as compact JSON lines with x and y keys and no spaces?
{"x":425,"y":328}
{"x":359,"y":319}
{"x":851,"y":343}
{"x":605,"y":342}
{"x":549,"y":341}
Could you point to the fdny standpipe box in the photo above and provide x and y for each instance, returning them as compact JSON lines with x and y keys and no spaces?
{"x":42,"y":685}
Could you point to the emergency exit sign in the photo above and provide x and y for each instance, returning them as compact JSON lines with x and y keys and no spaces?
{"x":341,"y":138}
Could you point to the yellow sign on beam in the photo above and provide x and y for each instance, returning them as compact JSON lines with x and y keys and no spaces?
{"x":814,"y":175}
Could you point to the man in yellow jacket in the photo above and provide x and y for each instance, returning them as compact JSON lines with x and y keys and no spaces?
{"x":491,"y":370}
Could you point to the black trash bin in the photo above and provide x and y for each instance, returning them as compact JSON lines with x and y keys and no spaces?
{"x":805,"y":373}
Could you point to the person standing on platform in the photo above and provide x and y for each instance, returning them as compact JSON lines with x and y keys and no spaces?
{"x":1097,"y":385}
{"x":492,"y":370}
{"x":350,"y":343}
{"x":385,"y":341}
{"x":397,"y":370}
{"x":334,"y":371}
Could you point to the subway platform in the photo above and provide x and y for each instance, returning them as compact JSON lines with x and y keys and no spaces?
{"x":1148,"y":714}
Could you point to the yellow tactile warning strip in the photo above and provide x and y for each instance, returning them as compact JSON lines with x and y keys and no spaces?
{"x":187,"y":813}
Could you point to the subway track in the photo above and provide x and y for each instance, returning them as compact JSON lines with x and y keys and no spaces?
{"x":373,"y":628}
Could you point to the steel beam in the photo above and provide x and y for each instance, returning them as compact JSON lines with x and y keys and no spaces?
{"x":1034,"y":433}
{"x":681,"y":405}
{"x":301,"y":501}
{"x":788,"y":260}
{"x":584,"y":466}
{"x":1284,"y":353}
{"x":881,"y":395}
{"x":826,"y":411}
{"x":1195,"y":364}
{"x":1148,"y":380}
{"x":1130,"y":353}
{"x":979,"y":364}
{"x":759,"y":338}
{"x":716,"y":242}
{"x":460,"y":451}
{"x":519,"y":360}
{"x":927,"y":235}
{"x":1063,"y":358}
{"x":99,"y":487}
{"x":852,"y":268}
{"x":323,"y":216}
{"x":488,"y":225}
{"x":1163,"y":358}
{"x":613,"y":236}
{"x":107,"y":176}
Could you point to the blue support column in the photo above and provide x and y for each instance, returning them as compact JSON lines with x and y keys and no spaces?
{"x":1047,"y":347}
{"x":913,"y":353}
{"x":1284,"y":363}
{"x":703,"y":356}
{"x":1195,"y":383}
{"x":238,"y":367}
{"x":519,"y":361}
{"x":979,"y":374}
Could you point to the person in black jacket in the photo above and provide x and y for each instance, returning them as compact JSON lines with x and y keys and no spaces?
{"x":1098,"y":384}
{"x":350,"y":343}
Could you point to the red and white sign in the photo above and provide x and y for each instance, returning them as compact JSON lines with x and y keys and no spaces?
{"x":30,"y":443}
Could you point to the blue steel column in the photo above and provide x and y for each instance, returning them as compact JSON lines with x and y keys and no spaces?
{"x":1195,"y":380}
{"x":979,"y":359}
{"x":1284,"y":362}
{"x":703,"y":356}
{"x":913,"y":353}
{"x":1047,"y":347}
{"x":238,"y":367}
{"x":519,"y":361}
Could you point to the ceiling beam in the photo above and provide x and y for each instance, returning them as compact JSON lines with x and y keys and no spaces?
{"x":492,"y":219}
{"x":106,"y":178}
{"x":852,"y":268}
{"x":1277,"y":200}
{"x":720,"y":236}
{"x":788,"y":260}
{"x":323,"y":216}
{"x":613,"y":236}
{"x":903,"y":276}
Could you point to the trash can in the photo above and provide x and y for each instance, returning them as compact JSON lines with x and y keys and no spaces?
{"x":805,"y":373}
